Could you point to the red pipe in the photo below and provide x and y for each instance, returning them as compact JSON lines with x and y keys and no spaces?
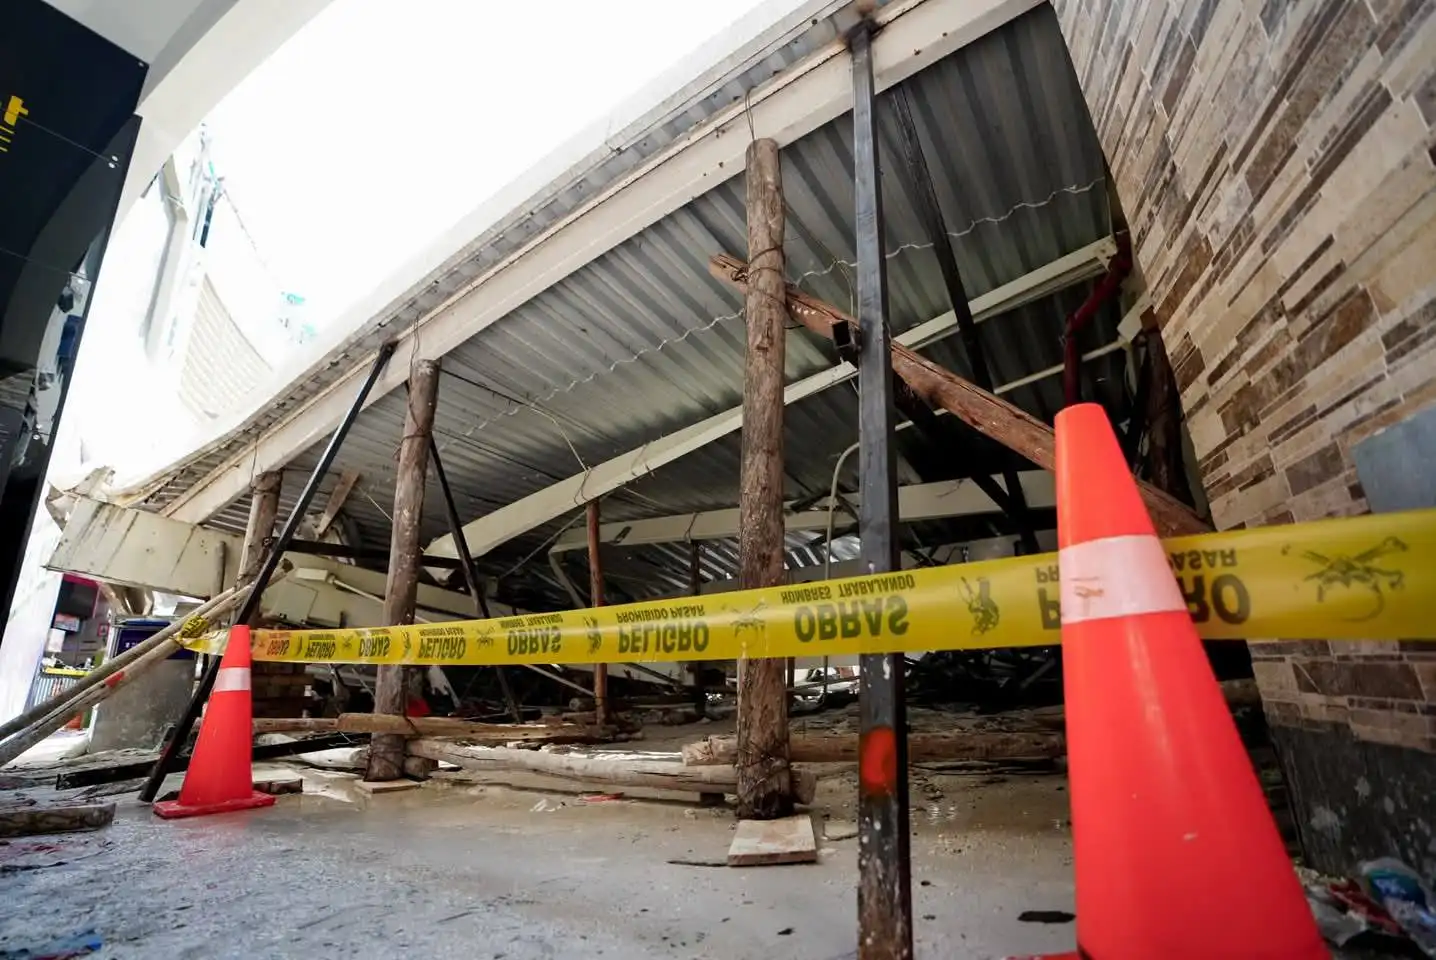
{"x":1079,"y":319}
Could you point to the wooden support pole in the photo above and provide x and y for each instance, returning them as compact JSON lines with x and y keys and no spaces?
{"x":987,"y":413}
{"x":386,"y":754}
{"x":595,"y":599}
{"x":263,"y":511}
{"x":764,"y":787}
{"x":337,"y":498}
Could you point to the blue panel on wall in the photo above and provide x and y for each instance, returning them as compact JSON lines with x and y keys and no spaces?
{"x":1397,"y":467}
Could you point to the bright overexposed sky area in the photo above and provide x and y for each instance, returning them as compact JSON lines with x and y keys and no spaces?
{"x":384,"y":121}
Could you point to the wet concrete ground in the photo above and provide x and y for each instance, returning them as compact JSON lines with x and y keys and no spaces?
{"x":490,"y":872}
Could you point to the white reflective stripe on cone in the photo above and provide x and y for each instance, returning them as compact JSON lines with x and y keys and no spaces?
{"x":231,"y":679}
{"x":1117,"y":577}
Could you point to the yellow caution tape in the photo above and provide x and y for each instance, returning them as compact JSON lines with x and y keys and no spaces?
{"x":1371,"y":577}
{"x":194,"y":627}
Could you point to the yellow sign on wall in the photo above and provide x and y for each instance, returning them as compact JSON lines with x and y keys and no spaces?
{"x":10,"y":117}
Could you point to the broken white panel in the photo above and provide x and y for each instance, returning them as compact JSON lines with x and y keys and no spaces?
{"x":141,"y":549}
{"x":127,"y":546}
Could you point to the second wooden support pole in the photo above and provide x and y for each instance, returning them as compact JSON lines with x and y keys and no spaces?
{"x":398,"y":684}
{"x":764,"y":787}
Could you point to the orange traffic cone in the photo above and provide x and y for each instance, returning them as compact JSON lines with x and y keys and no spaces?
{"x":1176,"y":852}
{"x":219,"y":778}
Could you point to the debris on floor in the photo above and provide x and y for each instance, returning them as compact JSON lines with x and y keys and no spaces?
{"x":842,"y":747}
{"x":698,"y":861}
{"x":377,"y":788}
{"x":280,"y":786}
{"x":1389,"y":909}
{"x":19,"y":855}
{"x":75,"y":945}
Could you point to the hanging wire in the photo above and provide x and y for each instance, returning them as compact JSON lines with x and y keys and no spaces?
{"x":541,"y":547}
{"x":365,"y":494}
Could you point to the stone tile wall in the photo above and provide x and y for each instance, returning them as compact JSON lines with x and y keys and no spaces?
{"x":1277,"y":164}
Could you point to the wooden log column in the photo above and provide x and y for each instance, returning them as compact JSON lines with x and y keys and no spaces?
{"x":278,"y":687}
{"x":263,"y":511}
{"x":595,"y":599}
{"x":764,"y":788}
{"x":386,"y":754}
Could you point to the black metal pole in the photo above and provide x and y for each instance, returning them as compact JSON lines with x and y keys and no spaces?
{"x":884,"y":882}
{"x":177,"y":741}
{"x":466,"y":564}
{"x":1016,"y":501}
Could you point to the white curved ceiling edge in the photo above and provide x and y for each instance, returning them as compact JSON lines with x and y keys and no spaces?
{"x":198,"y":51}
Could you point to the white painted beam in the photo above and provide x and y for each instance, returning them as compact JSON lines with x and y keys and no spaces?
{"x":916,"y":502}
{"x":141,"y":549}
{"x":915,"y":35}
{"x":539,"y":508}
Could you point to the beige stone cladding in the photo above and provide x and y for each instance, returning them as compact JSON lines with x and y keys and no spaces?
{"x":1276,"y":160}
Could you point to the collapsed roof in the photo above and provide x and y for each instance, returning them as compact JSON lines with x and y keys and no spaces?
{"x":588,"y":351}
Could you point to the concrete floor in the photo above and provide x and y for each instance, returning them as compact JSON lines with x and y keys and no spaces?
{"x":492,"y":872}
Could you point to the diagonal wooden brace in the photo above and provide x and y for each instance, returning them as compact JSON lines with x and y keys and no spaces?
{"x":988,"y":414}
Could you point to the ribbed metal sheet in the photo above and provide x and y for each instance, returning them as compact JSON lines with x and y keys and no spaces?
{"x":614,"y":161}
{"x":642,"y":341}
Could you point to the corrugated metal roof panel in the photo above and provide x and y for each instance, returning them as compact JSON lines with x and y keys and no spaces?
{"x":621,"y":154}
{"x":643,"y":341}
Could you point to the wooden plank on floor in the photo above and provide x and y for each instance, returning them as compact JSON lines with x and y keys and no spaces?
{"x":762,"y":842}
{"x":25,"y":821}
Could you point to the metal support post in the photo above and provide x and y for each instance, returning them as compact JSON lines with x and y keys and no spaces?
{"x":251,"y":605}
{"x":1016,"y":504}
{"x":884,"y":883}
{"x":595,"y":599}
{"x":466,"y":566}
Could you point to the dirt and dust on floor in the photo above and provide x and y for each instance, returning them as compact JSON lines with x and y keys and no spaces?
{"x":518,"y":864}
{"x":492,"y":860}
